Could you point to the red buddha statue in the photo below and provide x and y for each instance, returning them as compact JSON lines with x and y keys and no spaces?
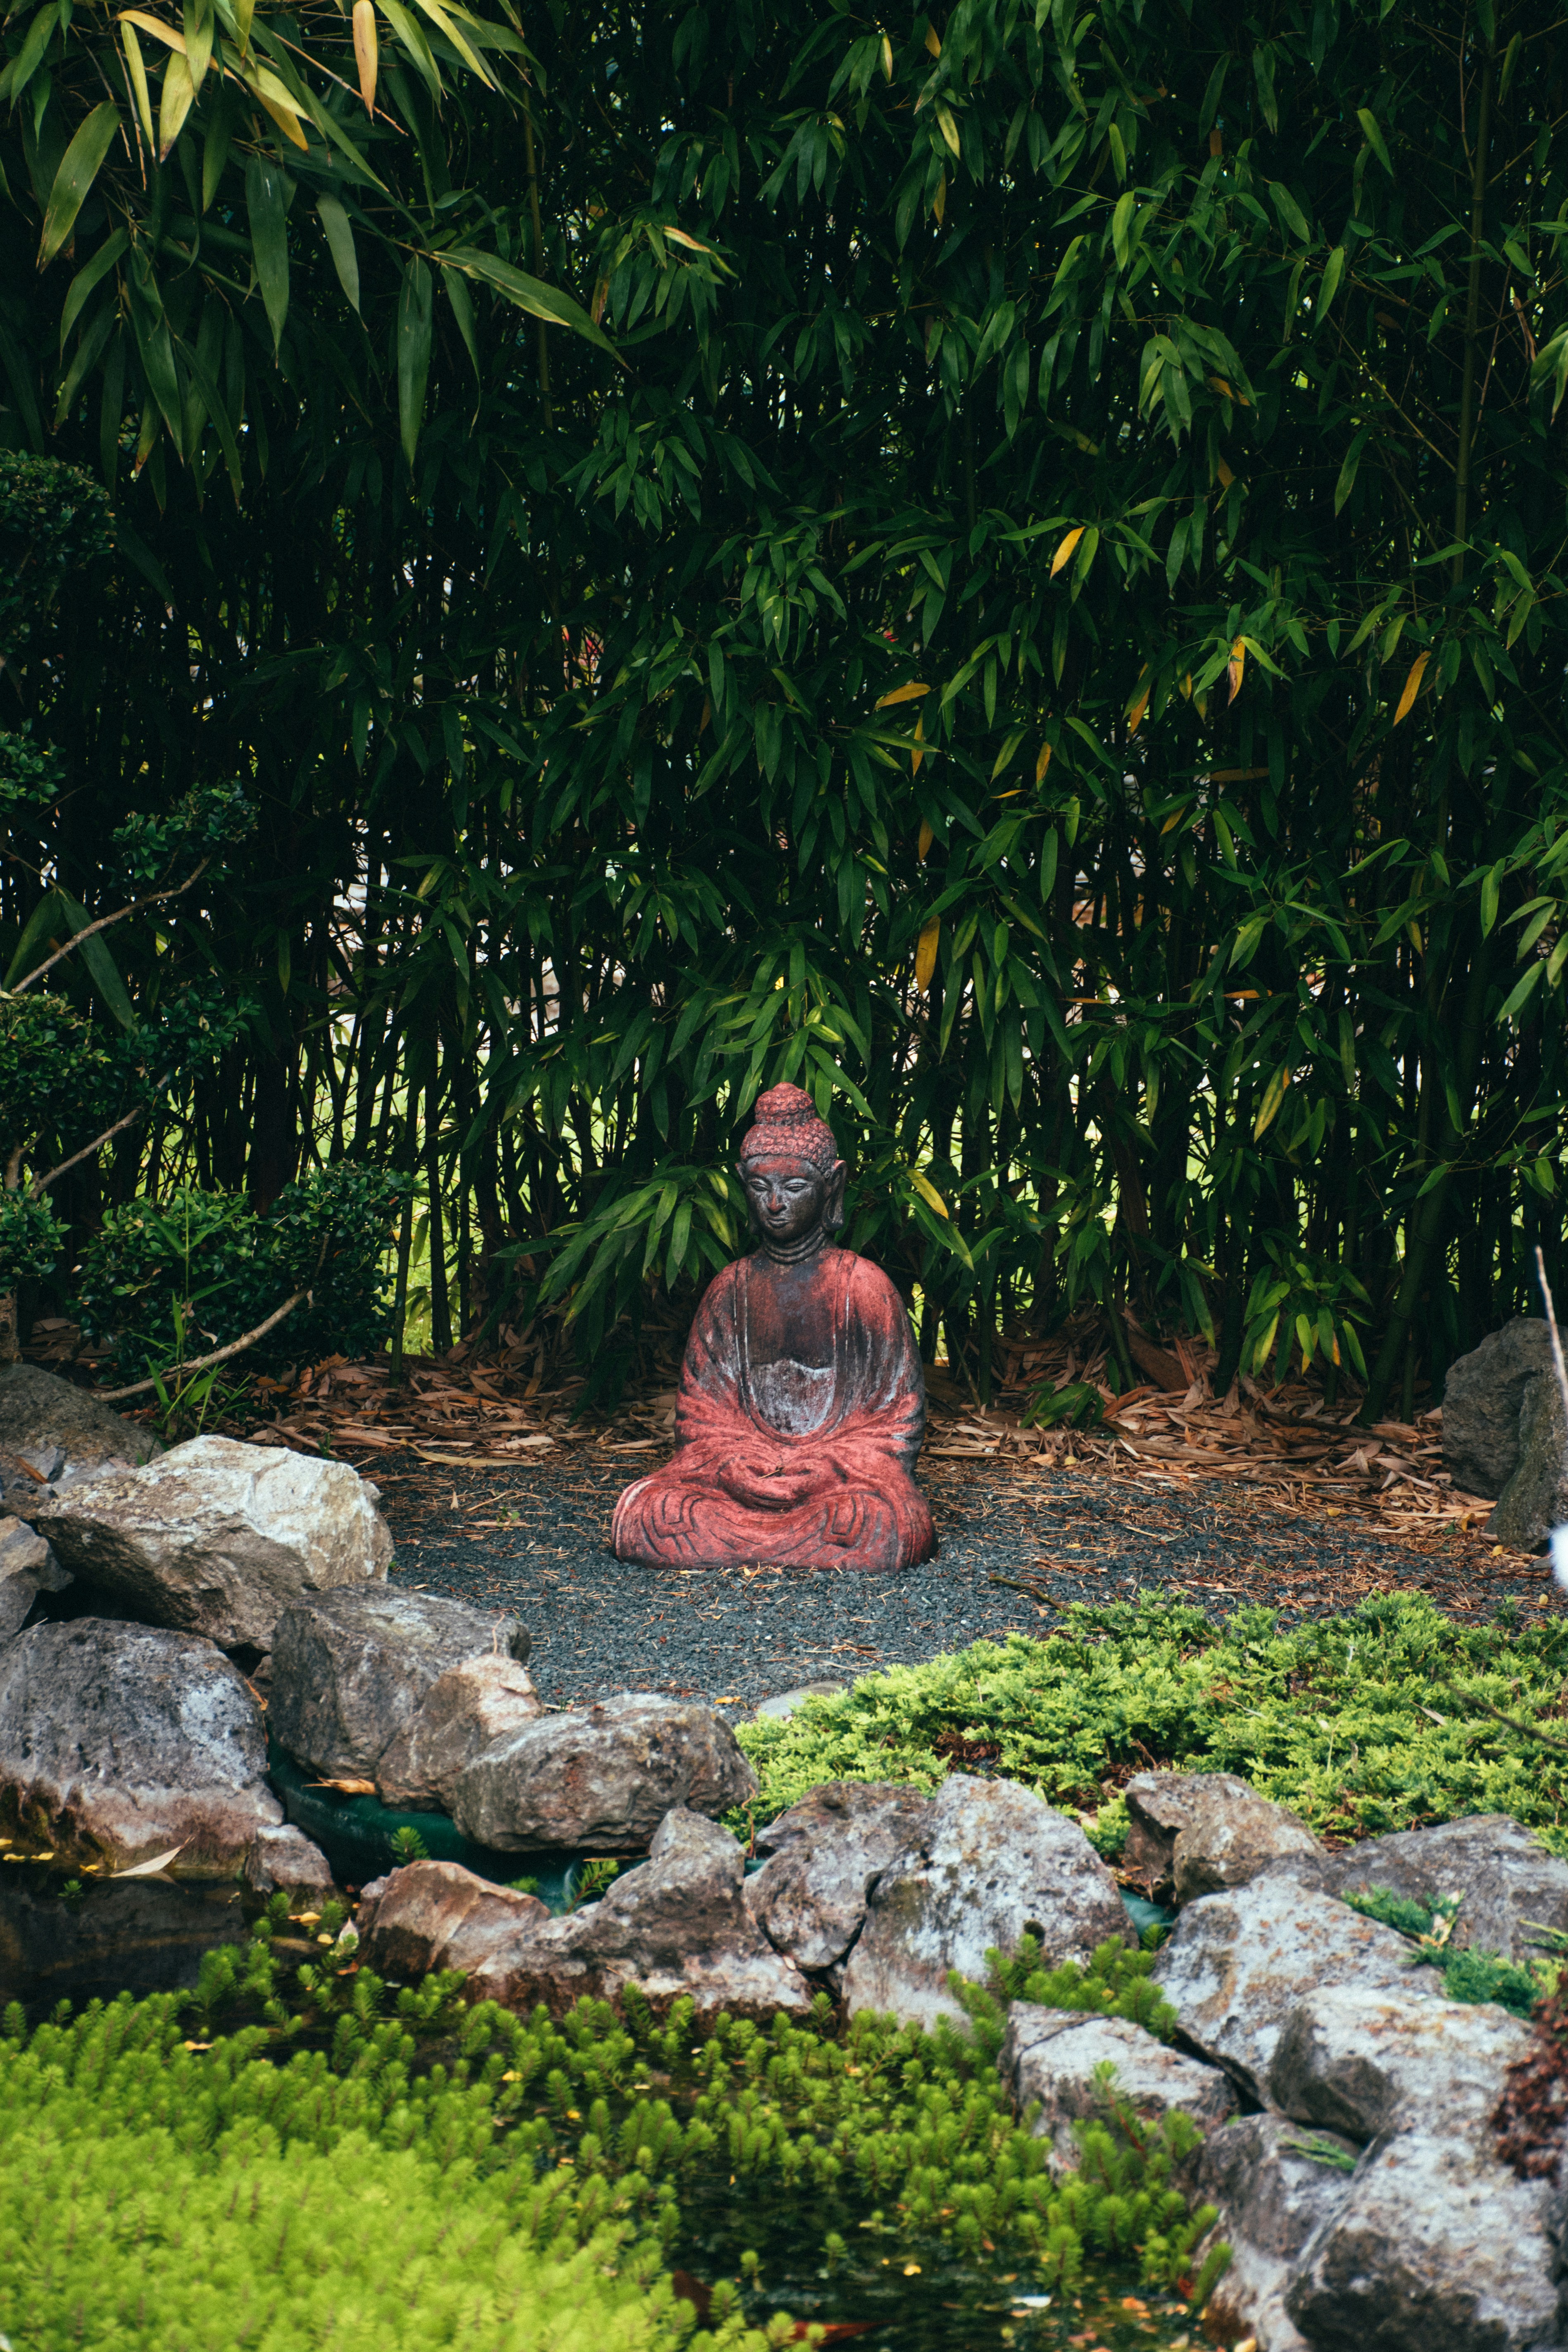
{"x":802,"y":1404}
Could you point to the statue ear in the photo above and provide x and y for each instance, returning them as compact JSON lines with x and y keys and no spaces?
{"x":833,"y":1196}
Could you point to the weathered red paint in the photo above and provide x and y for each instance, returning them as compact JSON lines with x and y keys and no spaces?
{"x":802,"y":1402}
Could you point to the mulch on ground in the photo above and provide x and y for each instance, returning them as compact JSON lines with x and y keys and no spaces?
{"x":1017,"y":1545}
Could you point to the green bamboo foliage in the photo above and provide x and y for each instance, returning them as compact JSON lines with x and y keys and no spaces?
{"x":1029,"y":604}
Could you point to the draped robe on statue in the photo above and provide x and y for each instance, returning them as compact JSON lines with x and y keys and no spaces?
{"x":800,"y":1416}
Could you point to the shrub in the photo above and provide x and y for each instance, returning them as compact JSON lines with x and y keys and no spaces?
{"x":1365,"y":1724}
{"x":175,"y":1279}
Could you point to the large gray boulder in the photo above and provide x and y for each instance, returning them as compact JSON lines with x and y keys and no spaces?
{"x":464,"y":1711}
{"x":1193,"y":1833}
{"x":601,"y":1776}
{"x":40,"y":1415}
{"x":117,"y":1742}
{"x":27,"y":1567}
{"x":350,"y":1668}
{"x":991,"y":1862}
{"x":1482,"y":1398}
{"x":819,"y":1858}
{"x":1509,"y":1887}
{"x":1275,"y":2184}
{"x":1237,"y":1965}
{"x":1362,"y":2062}
{"x":218,"y":1537}
{"x":1436,"y":2247}
{"x":1535,"y":1499}
{"x":1048,"y":2059}
{"x":676,"y":1924}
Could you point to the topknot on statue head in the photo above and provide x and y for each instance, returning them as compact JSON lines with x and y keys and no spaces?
{"x":786,"y":1126}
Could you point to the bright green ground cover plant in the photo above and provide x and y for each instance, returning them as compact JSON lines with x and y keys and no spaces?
{"x":1365,"y":1724}
{"x":358,"y":2165}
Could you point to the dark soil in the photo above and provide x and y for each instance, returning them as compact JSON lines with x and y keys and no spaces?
{"x":537,"y":1541}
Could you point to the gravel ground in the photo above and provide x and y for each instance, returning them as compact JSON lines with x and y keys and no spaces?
{"x":538,"y":1543}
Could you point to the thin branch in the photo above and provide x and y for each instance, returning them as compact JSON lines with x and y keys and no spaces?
{"x":203,"y":1363}
{"x":40,"y":1184}
{"x":152,"y":898}
{"x":1552,"y":1331}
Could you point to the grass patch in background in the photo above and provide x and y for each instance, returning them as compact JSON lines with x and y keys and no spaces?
{"x":1365,"y":1724}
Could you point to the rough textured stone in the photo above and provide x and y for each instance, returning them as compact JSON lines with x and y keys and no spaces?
{"x":1050,"y":2055}
{"x":285,"y":1861}
{"x":809,"y":1897}
{"x":1481,"y":1399}
{"x":1509,"y":1885}
{"x":1193,"y":1833}
{"x":437,"y":1915}
{"x":120,"y":1741}
{"x":1535,"y":1499}
{"x":350,"y":1667}
{"x":466,"y":1710}
{"x":1274,"y":2184}
{"x":601,"y":1776}
{"x":1435,"y":2245}
{"x":1362,"y":2062}
{"x":39,"y":1410}
{"x":1238,"y":1964}
{"x":787,"y":1703}
{"x":676,"y":1924}
{"x":218,"y":1537}
{"x":991,"y":1861}
{"x":27,"y":1567}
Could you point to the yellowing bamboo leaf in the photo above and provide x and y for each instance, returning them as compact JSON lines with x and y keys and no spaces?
{"x":1134,"y":716}
{"x":939,"y":202}
{"x":1172,"y":822}
{"x":176,"y":104}
{"x":926,"y":837}
{"x":1042,"y":763}
{"x":910,"y":693}
{"x":1064,"y":552}
{"x":918,"y":753}
{"x":155,"y":26}
{"x":933,"y":40}
{"x":1216,"y":142}
{"x":948,"y":127}
{"x":925,"y":957}
{"x":679,"y":237}
{"x":1235,"y":667}
{"x":138,"y":73}
{"x":927,"y":1193}
{"x":1273,"y":1096}
{"x":1412,"y":687}
{"x":886,"y":58}
{"x":367,"y":51}
{"x":1225,"y":475}
{"x":465,"y":48}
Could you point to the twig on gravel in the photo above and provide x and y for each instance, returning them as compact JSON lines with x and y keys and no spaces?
{"x":1034,"y":1592}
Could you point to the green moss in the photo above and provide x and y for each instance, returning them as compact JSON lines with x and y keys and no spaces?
{"x":1363,"y":1724}
{"x":1467,"y":1975}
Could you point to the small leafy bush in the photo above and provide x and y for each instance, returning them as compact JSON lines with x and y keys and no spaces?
{"x":1363,"y":1724}
{"x":175,"y":1279}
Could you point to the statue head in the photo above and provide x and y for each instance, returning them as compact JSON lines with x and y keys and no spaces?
{"x":793,"y":1177}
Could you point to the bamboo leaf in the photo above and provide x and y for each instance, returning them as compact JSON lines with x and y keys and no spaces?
{"x":136,"y":72}
{"x":910,"y":693}
{"x":1063,"y":555}
{"x":266,"y":199}
{"x":925,"y":953}
{"x":79,"y":167}
{"x":414,"y":329}
{"x":1412,"y":685}
{"x":339,"y":233}
{"x":367,"y":54}
{"x":1273,"y":1096}
{"x":1349,"y":470}
{"x":1373,"y":136}
{"x":530,"y":294}
{"x":199,"y":25}
{"x":174,"y":105}
{"x":928,"y":1192}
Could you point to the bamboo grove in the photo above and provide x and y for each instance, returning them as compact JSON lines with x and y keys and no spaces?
{"x":1005,"y":565}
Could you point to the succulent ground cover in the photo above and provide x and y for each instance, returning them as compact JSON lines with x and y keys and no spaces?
{"x":301,"y":2155}
{"x":1392,"y":1718}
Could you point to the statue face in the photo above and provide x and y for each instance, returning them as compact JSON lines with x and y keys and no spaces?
{"x":787,"y":1197}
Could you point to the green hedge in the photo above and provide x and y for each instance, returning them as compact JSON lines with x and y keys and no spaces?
{"x":1365,"y":1724}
